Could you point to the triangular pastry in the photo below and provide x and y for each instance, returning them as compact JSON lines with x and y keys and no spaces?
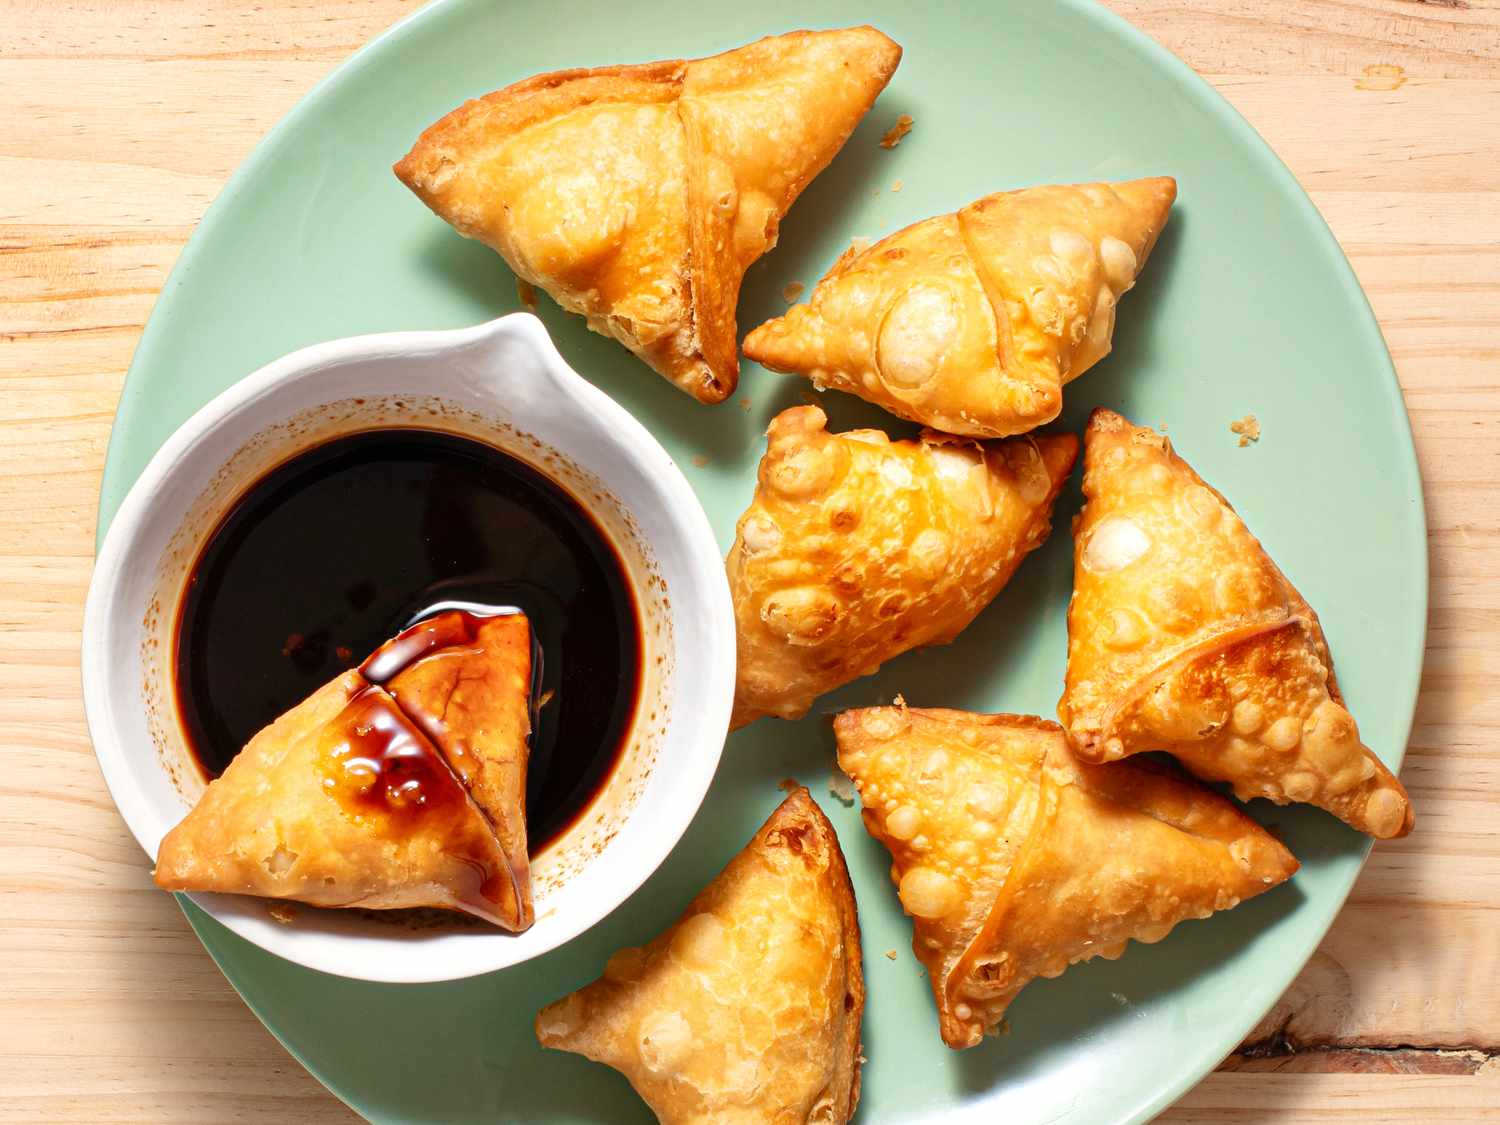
{"x":748,"y":1008}
{"x":401,"y":783}
{"x":857,"y":548}
{"x":638,"y":195}
{"x":1184,"y":636}
{"x":972,"y":322}
{"x":1016,"y":860}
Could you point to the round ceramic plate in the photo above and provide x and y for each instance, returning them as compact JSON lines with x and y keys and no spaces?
{"x":1247,"y":306}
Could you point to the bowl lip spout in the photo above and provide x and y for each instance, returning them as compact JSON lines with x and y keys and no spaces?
{"x":510,"y":359}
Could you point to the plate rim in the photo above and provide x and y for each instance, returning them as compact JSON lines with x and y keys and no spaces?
{"x":1183,"y":76}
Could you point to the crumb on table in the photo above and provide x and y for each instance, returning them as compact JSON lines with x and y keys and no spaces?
{"x":1248,"y":428}
{"x":841,"y":787}
{"x":791,"y":291}
{"x":745,"y":405}
{"x":891,"y":954}
{"x":893,"y":135}
{"x":897,"y":186}
{"x":700,"y":460}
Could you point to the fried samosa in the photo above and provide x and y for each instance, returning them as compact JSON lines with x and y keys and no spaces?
{"x":637,"y":196}
{"x":972,"y":322}
{"x":1184,"y":636}
{"x":857,"y":548}
{"x":401,"y":783}
{"x":1015,"y":860}
{"x":748,"y":1008}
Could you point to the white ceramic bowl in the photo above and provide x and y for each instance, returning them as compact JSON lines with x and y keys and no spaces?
{"x":502,"y":382}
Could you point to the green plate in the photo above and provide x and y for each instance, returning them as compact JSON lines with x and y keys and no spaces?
{"x":1246,"y":306}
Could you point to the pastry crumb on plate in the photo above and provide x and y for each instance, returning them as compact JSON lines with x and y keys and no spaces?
{"x":894,"y":134}
{"x":1248,"y":428}
{"x":791,"y":291}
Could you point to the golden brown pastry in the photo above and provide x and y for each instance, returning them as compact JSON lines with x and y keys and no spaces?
{"x":857,"y":548}
{"x":1016,"y":860}
{"x":399,"y":784}
{"x":748,"y":1008}
{"x":972,"y":322}
{"x":1184,"y":636}
{"x":638,"y":195}
{"x":466,"y":682}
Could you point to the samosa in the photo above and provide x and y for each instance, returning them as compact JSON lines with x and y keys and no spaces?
{"x":1184,"y":636}
{"x":637,"y":196}
{"x":748,"y":1008}
{"x":398,"y":784}
{"x":857,"y":548}
{"x":972,"y":322}
{"x":1016,"y":860}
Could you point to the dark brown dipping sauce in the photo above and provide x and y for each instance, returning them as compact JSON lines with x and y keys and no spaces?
{"x":335,"y":552}
{"x":383,"y":765}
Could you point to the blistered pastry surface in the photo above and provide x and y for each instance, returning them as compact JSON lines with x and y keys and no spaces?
{"x":637,"y":195}
{"x":972,"y":322}
{"x":748,"y":1008}
{"x":1183,"y":635}
{"x":1016,"y":860}
{"x":856,"y":548}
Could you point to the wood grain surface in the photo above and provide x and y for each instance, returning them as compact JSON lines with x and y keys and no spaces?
{"x":118,"y":124}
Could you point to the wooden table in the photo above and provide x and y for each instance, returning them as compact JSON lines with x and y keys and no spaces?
{"x":119,"y":122}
